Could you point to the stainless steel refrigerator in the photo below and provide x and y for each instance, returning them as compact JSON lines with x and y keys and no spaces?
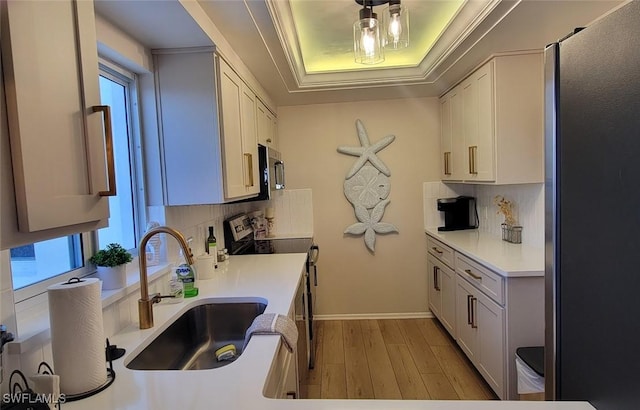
{"x":592,"y":189}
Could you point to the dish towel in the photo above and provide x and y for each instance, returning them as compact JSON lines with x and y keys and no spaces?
{"x":274,"y":324}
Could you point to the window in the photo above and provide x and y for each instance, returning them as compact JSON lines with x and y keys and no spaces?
{"x":36,"y":266}
{"x":116,"y":90}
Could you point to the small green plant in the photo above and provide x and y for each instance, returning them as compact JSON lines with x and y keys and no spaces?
{"x":114,"y":255}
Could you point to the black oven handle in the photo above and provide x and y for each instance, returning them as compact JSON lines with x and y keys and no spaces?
{"x":315,"y":275}
{"x":313,"y":260}
{"x":314,"y":254}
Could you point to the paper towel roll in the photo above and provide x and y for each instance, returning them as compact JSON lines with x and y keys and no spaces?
{"x":77,"y":335}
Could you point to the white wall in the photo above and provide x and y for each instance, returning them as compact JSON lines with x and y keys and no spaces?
{"x":353,"y":280}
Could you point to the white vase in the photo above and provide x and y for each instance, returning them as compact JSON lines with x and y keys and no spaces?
{"x":113,"y":278}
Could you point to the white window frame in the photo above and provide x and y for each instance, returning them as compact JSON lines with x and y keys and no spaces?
{"x":129,"y":80}
{"x":38,"y":288}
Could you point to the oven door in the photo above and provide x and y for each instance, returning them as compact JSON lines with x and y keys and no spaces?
{"x":312,"y":286}
{"x":302,"y":324}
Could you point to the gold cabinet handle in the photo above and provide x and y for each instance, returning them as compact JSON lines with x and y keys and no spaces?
{"x":473,"y":275}
{"x":473,"y":323}
{"x":469,"y":320}
{"x":473,"y":153}
{"x":438,"y":251}
{"x":108,"y":137}
{"x":436,"y":285}
{"x":249,"y":158}
{"x":470,"y":159}
{"x":269,"y":140}
{"x":447,"y":163}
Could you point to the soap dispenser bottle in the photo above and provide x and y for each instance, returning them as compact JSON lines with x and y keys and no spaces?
{"x":187,"y":276}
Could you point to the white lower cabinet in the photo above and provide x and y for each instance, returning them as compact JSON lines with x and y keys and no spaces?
{"x":283,"y":380}
{"x":481,"y":331}
{"x":467,"y":334}
{"x":489,"y":317}
{"x":442,"y":302}
{"x":489,"y":314}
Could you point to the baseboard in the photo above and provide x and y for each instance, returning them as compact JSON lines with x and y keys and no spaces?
{"x":365,"y":316}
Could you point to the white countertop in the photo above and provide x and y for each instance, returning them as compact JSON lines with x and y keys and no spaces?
{"x":506,"y":259}
{"x":240,"y":384}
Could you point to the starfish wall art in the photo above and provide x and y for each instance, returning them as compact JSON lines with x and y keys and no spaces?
{"x":367,"y":187}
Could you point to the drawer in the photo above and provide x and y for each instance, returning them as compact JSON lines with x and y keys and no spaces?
{"x":440,"y":251}
{"x":484,"y":279}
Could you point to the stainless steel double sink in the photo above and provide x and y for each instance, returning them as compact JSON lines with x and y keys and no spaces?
{"x":190,"y":341}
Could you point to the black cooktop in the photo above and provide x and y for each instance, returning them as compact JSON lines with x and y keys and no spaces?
{"x":267,"y":246}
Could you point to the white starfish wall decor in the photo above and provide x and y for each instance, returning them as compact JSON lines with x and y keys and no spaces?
{"x":367,"y":187}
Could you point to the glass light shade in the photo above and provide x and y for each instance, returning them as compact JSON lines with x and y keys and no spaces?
{"x":395,"y":23}
{"x":367,"y":45}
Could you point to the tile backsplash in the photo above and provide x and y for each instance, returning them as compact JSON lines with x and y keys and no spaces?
{"x":293,"y":214}
{"x":527,"y":198}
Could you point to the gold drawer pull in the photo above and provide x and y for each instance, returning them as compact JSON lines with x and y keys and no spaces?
{"x":437,"y":250}
{"x":249,"y":158}
{"x":473,"y":275}
{"x":473,"y":154}
{"x":108,"y":136}
{"x":447,"y":163}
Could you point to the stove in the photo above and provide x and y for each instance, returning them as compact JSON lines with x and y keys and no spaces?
{"x":267,"y":246}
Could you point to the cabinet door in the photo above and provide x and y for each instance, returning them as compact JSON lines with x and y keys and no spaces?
{"x":266,"y":126}
{"x":478,"y":122}
{"x":435,"y":296}
{"x":250,"y":140}
{"x":57,"y":141}
{"x":231,"y":120}
{"x":470,"y":127}
{"x":457,"y":136}
{"x":447,"y":283}
{"x":466,"y":330}
{"x":484,"y":156}
{"x":491,"y":352}
{"x":445,"y":138}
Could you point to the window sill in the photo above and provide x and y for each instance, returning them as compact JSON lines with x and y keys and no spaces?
{"x":33,"y":323}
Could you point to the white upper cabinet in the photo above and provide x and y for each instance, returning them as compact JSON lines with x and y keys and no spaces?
{"x":208,"y":127}
{"x":452,"y":137}
{"x":267,"y":134}
{"x":492,"y":123}
{"x":57,"y":128}
{"x":249,"y":124}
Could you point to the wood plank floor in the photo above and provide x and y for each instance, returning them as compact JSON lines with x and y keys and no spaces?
{"x":412,"y":359}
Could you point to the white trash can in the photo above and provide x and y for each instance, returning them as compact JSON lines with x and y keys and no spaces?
{"x":530,"y":369}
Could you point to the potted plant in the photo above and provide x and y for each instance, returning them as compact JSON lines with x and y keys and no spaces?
{"x":111,"y":266}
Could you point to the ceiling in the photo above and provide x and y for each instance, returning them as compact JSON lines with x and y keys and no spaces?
{"x":291,"y":46}
{"x":320,"y":33}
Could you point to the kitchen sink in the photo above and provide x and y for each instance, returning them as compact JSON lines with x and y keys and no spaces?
{"x":190,"y":342}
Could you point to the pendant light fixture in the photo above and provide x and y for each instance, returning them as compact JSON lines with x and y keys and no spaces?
{"x":369,"y":40}
{"x":396,"y":25}
{"x":367,"y":44}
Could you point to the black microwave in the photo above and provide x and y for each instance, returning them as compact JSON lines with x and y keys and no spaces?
{"x":271,"y":173}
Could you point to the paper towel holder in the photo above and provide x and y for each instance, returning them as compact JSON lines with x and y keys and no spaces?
{"x":73,"y":281}
{"x":111,"y":377}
